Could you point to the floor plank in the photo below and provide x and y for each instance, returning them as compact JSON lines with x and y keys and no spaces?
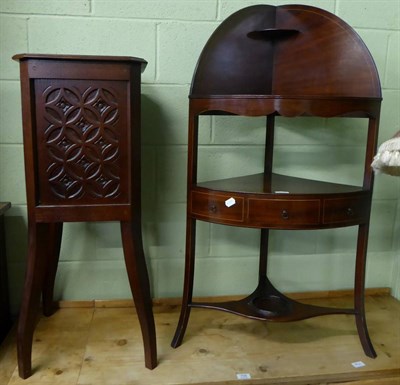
{"x":8,"y":357}
{"x":103,"y":346}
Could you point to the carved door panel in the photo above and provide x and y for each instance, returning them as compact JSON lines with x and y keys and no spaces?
{"x":82,"y":141}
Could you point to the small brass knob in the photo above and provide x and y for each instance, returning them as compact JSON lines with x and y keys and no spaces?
{"x":213,"y":208}
{"x":285,"y":214}
{"x":350,"y":212}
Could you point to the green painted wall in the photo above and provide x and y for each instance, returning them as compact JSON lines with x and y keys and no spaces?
{"x":170,"y":34}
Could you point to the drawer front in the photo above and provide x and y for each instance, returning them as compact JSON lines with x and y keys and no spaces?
{"x":218,"y":207}
{"x":282,"y":212}
{"x":346,"y":210}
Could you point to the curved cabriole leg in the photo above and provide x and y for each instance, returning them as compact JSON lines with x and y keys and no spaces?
{"x":188,"y":284}
{"x":53,"y":255}
{"x":364,"y":335}
{"x":38,"y":233}
{"x":140,"y":286}
{"x":359,"y":287}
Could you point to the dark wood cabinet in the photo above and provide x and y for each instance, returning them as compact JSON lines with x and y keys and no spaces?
{"x":288,"y":61}
{"x":81,"y":130}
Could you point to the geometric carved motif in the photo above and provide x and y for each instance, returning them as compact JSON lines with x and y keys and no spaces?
{"x":82,"y":142}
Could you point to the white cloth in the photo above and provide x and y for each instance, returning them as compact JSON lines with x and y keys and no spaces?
{"x":387,"y":159}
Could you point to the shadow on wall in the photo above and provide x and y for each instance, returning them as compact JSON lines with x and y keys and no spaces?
{"x":156,"y":163}
{"x":16,"y":251}
{"x":152,"y":138}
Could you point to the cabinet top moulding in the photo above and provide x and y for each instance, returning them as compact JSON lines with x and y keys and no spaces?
{"x":25,"y":56}
{"x":45,"y":66}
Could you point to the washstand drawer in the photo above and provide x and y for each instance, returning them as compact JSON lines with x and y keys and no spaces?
{"x":284,"y":212}
{"x":346,"y":210}
{"x":219,"y":207}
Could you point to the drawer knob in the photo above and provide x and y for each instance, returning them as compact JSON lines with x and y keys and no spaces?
{"x":350,"y":212}
{"x":285,"y":214}
{"x":213,"y":208}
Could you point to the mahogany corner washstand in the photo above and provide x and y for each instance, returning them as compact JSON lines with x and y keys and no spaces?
{"x":289,"y":61}
{"x":81,"y":130}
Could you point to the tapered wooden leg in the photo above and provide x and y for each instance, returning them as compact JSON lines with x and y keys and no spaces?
{"x":53,"y":255}
{"x":188,"y":283}
{"x":38,"y":233}
{"x":359,"y":287}
{"x":140,"y":286}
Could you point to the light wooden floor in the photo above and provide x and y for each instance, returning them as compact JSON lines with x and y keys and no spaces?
{"x":102,"y":346}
